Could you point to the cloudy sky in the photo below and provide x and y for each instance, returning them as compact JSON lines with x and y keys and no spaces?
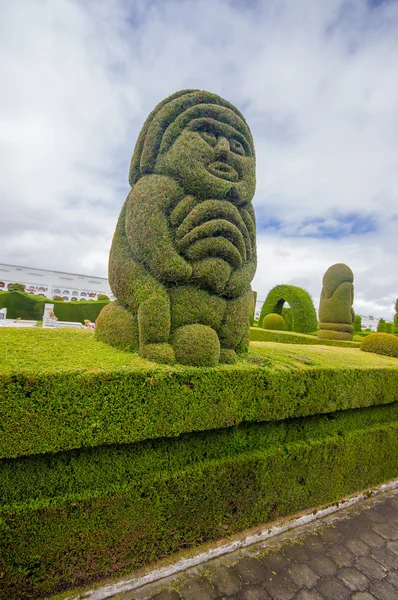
{"x":316,"y":80}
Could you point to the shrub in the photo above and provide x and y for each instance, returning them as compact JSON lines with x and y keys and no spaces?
{"x":357,"y":324}
{"x":273,"y":321}
{"x":389,"y":327}
{"x":16,"y":287}
{"x":288,"y":318}
{"x":381,"y":326}
{"x":117,"y":327}
{"x":58,"y":299}
{"x":302,"y":308}
{"x":29,"y":306}
{"x":103,"y":298}
{"x":380,"y":343}
{"x":187,"y":233}
{"x":336,"y":314}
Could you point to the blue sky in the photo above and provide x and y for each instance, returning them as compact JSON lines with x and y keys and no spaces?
{"x":317,"y":82}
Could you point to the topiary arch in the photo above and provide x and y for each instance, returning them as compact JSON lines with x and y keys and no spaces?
{"x":303,"y":310}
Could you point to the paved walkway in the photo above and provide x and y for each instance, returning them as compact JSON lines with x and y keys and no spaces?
{"x":352,"y":554}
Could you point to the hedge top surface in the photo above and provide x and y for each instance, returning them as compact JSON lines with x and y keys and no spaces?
{"x":39,"y":351}
{"x":61,"y":390}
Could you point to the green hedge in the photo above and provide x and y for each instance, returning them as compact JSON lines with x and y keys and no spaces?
{"x":71,"y":518}
{"x":29,"y":306}
{"x":67,"y":391}
{"x":302,"y":308}
{"x":257,"y":334}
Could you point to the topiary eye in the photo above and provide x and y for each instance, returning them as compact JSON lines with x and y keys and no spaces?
{"x":208,"y":137}
{"x":237,"y":147}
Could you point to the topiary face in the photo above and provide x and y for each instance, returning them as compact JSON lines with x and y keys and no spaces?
{"x":211,"y":159}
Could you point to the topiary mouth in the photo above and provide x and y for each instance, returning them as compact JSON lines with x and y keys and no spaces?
{"x":223,"y":171}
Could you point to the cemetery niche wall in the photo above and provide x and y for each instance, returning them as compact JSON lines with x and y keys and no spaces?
{"x":184,"y":251}
{"x":336,"y":315}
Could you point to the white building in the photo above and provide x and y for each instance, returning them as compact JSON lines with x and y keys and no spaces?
{"x":48,"y":284}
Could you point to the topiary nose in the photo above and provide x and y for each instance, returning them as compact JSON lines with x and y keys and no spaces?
{"x":222,"y":148}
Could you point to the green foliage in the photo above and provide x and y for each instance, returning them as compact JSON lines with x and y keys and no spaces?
{"x":396,"y":323}
{"x":357,"y":324}
{"x":117,"y":327}
{"x":389,"y":327}
{"x":58,"y":299}
{"x":16,"y":287}
{"x":184,"y":249}
{"x":103,"y":298}
{"x":302,"y":308}
{"x":28,"y":306}
{"x":62,"y":390}
{"x":63,"y":515}
{"x":381,"y":343}
{"x":288,"y":318}
{"x":381,"y":326}
{"x":288,"y":337}
{"x":336,"y":314}
{"x":273,"y":321}
{"x":196,"y":345}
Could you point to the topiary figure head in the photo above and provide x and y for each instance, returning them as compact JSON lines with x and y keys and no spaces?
{"x":203,"y":142}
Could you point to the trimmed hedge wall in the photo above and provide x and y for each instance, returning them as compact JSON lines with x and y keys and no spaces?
{"x":78,"y":516}
{"x":302,"y":308}
{"x":110,"y":462}
{"x":257,"y":334}
{"x":28,"y":306}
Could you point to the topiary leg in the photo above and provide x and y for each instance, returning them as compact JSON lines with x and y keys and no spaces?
{"x":154,"y":328}
{"x":235,"y":326}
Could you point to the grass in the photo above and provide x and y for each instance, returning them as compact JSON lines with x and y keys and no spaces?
{"x":65,"y":350}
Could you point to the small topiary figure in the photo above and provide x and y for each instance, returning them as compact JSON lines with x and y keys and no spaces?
{"x":103,"y":298}
{"x":302,"y":311}
{"x":380,"y":343}
{"x":184,"y":251}
{"x":274,"y":321}
{"x":336,"y":314}
{"x":381,"y":326}
{"x":357,"y":324}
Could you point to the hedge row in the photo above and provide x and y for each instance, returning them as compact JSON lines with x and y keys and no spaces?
{"x":48,"y":411}
{"x":78,"y":516}
{"x":28,"y":306}
{"x":257,"y":334}
{"x":303,"y":315}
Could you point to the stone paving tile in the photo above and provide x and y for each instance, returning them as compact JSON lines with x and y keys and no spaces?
{"x":309,"y":595}
{"x":357,"y":546}
{"x":383,"y":590}
{"x":225,"y":580}
{"x":385,"y":557}
{"x":322,"y":565}
{"x":196,"y":589}
{"x":251,"y":570}
{"x":332,"y":589}
{"x":370,"y":567}
{"x":351,"y":558}
{"x":303,"y":575}
{"x":363,"y":596}
{"x":341,"y":556}
{"x":353,"y":579}
{"x":254,"y":592}
{"x":295,"y":553}
{"x":281,"y":587}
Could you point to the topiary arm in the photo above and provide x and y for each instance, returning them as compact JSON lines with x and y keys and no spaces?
{"x":147,"y":229}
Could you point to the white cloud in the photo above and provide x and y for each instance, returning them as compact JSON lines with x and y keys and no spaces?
{"x":317,"y":81}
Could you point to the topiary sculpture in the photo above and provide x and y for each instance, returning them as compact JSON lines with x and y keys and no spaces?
{"x":381,"y":326}
{"x":274,"y":321}
{"x":184,"y":250}
{"x":336,"y":314}
{"x":380,"y":343}
{"x":303,"y":315}
{"x":357,"y":324}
